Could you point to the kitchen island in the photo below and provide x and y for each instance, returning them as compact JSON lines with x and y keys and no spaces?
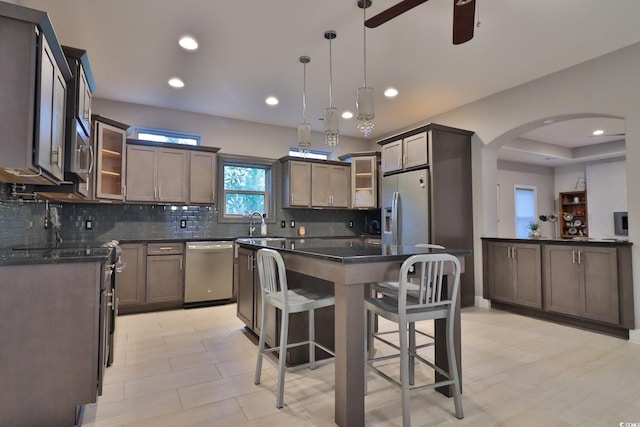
{"x":350,"y":264}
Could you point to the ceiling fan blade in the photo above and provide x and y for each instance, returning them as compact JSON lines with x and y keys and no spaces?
{"x":463,"y":21}
{"x":392,"y":12}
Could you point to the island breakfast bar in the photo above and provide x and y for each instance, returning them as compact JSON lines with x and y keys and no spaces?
{"x":350,"y":264}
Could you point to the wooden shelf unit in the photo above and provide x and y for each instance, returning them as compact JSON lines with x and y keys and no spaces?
{"x":573,"y":214}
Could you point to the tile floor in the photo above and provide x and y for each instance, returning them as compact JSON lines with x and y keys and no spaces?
{"x":195,"y":368}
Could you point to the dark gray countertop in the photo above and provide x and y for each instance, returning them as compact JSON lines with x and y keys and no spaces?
{"x":24,"y":256}
{"x":576,"y":241}
{"x":344,"y":250}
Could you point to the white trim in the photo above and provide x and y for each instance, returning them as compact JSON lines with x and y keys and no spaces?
{"x":482,"y":302}
{"x":634,"y":336}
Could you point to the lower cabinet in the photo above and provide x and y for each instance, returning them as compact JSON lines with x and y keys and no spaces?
{"x":515,"y":273}
{"x":582,"y":281}
{"x":153,"y":278}
{"x":585,"y":284}
{"x":249,"y":298}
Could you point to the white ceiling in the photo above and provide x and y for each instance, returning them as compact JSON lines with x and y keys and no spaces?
{"x":249,"y":49}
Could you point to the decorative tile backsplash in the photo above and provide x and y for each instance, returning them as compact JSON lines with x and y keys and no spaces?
{"x":23,"y":224}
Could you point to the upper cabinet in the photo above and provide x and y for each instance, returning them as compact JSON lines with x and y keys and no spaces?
{"x":110,"y":141}
{"x":364,"y":179}
{"x":573,"y":214}
{"x":32,"y":125}
{"x":316,"y":183}
{"x":156,"y":174}
{"x":405,"y":153}
{"x":202,"y":177}
{"x":170,"y":173}
{"x":81,"y":88}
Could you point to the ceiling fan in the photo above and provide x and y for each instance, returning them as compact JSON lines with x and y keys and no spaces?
{"x":463,"y":17}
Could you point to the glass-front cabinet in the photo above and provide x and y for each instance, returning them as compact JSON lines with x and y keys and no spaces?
{"x":111,"y":137}
{"x":364,"y":179}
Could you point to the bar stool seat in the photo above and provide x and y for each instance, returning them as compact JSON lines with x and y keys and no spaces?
{"x":275,"y":292}
{"x":430,"y":302}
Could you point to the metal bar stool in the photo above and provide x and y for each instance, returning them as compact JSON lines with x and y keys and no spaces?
{"x":275,"y":291}
{"x":426,"y":302}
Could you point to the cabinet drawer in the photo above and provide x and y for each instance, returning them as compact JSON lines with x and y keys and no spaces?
{"x":165,"y":248}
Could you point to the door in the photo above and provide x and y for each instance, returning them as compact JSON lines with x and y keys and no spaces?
{"x":202,"y":177}
{"x":111,"y":158}
{"x":499,"y":264}
{"x":340,"y":186}
{"x":172,"y":175}
{"x":599,"y":295}
{"x":413,"y":208}
{"x":415,"y":150}
{"x":141,"y":166}
{"x":392,"y":156}
{"x":245,"y":290}
{"x":297,"y":191}
{"x":164,"y":278}
{"x":526,"y":261}
{"x":562,"y":279}
{"x":320,"y":184}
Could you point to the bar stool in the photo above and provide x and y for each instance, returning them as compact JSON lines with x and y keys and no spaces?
{"x":390,"y":288}
{"x":427,"y":302}
{"x":275,"y":291}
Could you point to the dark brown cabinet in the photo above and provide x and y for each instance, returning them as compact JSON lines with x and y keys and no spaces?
{"x":514,"y":271}
{"x":32,"y":124}
{"x":582,"y":281}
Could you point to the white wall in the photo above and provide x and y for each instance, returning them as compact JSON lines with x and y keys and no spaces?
{"x":510,"y":174}
{"x":230,"y":135}
{"x":606,"y":193}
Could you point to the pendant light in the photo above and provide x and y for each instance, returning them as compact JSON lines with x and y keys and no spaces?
{"x":304,"y":128}
{"x":364,"y":94}
{"x":331,"y":118}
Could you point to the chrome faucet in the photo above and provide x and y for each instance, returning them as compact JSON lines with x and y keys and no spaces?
{"x":252,"y":227}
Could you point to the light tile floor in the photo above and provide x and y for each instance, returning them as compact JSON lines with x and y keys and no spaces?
{"x":195,"y":368}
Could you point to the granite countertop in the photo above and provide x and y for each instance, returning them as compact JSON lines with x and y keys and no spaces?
{"x":344,"y":250}
{"x":25,"y":256}
{"x":575,"y":241}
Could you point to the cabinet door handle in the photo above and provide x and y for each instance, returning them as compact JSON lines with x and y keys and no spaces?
{"x":166,"y":248}
{"x":573,"y":256}
{"x":180,"y":264}
{"x":513,"y":252}
{"x":579,"y":256}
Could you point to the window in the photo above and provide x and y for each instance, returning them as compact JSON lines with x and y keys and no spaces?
{"x":313,"y":153}
{"x":245,"y":188}
{"x":173,"y":137}
{"x":525,"y":207}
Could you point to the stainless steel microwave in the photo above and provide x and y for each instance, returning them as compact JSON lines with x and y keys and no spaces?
{"x":78,"y":153}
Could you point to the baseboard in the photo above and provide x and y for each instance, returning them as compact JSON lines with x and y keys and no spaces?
{"x":482,"y":302}
{"x":634,"y":336}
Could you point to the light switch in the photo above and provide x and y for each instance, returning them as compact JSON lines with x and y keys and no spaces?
{"x":183,"y":223}
{"x":88,"y":224}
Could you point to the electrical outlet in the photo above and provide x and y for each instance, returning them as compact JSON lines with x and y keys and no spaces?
{"x":293,"y":223}
{"x":283,"y":224}
{"x":88,"y":224}
{"x":183,"y":223}
{"x":350,"y":224}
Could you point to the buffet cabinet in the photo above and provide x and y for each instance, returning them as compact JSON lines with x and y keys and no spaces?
{"x":583,"y":283}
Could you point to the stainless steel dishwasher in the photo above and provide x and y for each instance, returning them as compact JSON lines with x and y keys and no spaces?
{"x":208,"y":272}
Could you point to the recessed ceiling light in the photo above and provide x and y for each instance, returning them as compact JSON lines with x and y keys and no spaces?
{"x":390,"y":93}
{"x":347,"y":115}
{"x":176,"y":82}
{"x":272,"y":100}
{"x":598,"y":132}
{"x":188,"y":42}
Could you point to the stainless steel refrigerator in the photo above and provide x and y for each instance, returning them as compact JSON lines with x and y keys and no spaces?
{"x":405,"y":208}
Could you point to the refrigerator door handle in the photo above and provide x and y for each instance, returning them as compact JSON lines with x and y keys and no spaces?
{"x":394,"y":217}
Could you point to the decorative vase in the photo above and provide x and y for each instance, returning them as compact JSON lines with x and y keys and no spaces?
{"x":535,"y":234}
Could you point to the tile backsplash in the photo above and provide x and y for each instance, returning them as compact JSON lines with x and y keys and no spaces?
{"x":23,"y":224}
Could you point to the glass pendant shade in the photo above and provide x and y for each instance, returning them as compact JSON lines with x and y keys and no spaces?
{"x":364,"y":106}
{"x":331,"y":131}
{"x":304,"y":137}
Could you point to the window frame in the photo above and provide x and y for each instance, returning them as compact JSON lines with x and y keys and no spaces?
{"x":247,"y":162}
{"x":294,"y":151}
{"x":170,"y":134}
{"x":534,"y":189}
